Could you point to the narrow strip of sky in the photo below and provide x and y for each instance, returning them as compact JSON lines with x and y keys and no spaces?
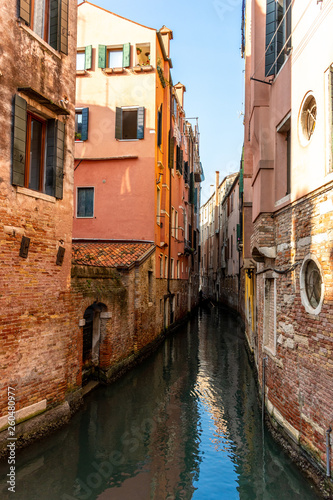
{"x":205,"y":53}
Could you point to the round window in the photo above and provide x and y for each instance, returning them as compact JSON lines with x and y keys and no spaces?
{"x":312,"y":286}
{"x":313,"y":283}
{"x":308,"y":118}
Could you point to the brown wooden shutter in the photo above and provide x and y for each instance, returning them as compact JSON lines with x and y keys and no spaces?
{"x":118,"y":123}
{"x":25,"y":9}
{"x":19,"y":140}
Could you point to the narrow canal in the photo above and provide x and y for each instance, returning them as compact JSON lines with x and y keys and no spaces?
{"x":184,"y":424}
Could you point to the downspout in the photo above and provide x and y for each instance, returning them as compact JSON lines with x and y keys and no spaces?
{"x":170,"y":221}
{"x":328,"y":452}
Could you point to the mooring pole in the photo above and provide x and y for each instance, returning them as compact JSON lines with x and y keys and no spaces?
{"x":263,"y":390}
{"x":328,"y":452}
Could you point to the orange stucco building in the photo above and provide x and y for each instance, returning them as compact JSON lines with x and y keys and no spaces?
{"x":137,"y":164}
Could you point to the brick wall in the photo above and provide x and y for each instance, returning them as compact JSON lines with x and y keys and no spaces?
{"x":299,"y":376}
{"x":38,"y":319}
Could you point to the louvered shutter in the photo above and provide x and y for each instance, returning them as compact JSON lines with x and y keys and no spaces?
{"x":118,"y":123}
{"x":25,"y":9}
{"x":54,"y":30}
{"x":59,"y":159}
{"x":191,"y":188}
{"x":102,"y":56}
{"x":88,"y":57}
{"x":50,"y":167}
{"x":63,"y":26}
{"x":126,"y":55}
{"x":19,"y":140}
{"x":181,"y":161}
{"x":141,"y":123}
{"x":85,"y":120}
{"x":171,"y":151}
{"x":270,"y":45}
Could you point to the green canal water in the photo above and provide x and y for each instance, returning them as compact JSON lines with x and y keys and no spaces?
{"x":185,"y":424}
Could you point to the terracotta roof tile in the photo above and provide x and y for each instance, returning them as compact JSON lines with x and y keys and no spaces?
{"x":108,"y":254}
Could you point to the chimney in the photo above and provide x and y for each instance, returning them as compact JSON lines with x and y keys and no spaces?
{"x":217,"y":182}
{"x":180,"y":89}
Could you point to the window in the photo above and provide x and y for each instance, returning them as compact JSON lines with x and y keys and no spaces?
{"x":176,"y":225}
{"x":81,"y":124}
{"x":150,"y":286}
{"x":172,"y":269}
{"x":172,"y":222}
{"x":165,"y":266}
{"x":307,"y":118}
{"x":130,"y":123}
{"x":158,"y":206}
{"x":48,"y":19}
{"x":38,"y":151}
{"x":114,"y":57}
{"x":177,"y":267}
{"x":142,"y":51}
{"x":179,"y":159}
{"x":283,"y":141}
{"x":161,"y":265}
{"x":84,"y":58}
{"x":278,"y":34}
{"x":311,"y":285}
{"x":85,"y":202}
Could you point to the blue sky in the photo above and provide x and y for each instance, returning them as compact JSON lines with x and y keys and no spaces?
{"x":205,"y":53}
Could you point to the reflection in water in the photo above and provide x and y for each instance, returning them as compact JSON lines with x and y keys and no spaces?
{"x":185,"y":424}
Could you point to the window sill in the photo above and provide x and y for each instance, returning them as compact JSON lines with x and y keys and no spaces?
{"x":38,"y":38}
{"x":81,"y":72}
{"x":35,"y":194}
{"x":109,"y":71}
{"x":140,"y":69}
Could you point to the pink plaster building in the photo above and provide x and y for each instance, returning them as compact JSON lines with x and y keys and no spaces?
{"x":288,"y":180}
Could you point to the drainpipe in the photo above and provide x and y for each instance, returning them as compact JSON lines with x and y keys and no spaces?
{"x":328,"y":452}
{"x":170,"y":221}
{"x":263,"y":389}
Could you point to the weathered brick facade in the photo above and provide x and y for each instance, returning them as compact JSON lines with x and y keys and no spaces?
{"x":38,"y":319}
{"x":299,"y":370}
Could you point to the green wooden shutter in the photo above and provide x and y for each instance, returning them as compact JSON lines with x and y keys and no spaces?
{"x":88,"y":57}
{"x":126,"y":55}
{"x":191,"y":200}
{"x":19,"y":140}
{"x":141,"y":123}
{"x":63,"y":26}
{"x":85,"y":120}
{"x":181,"y":161}
{"x":118,"y":123}
{"x":25,"y":9}
{"x":59,"y":159}
{"x":270,"y":31}
{"x":50,"y":167}
{"x":54,"y":16}
{"x":102,"y":56}
{"x":171,"y":151}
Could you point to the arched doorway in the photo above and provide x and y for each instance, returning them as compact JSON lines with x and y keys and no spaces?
{"x":91,"y":340}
